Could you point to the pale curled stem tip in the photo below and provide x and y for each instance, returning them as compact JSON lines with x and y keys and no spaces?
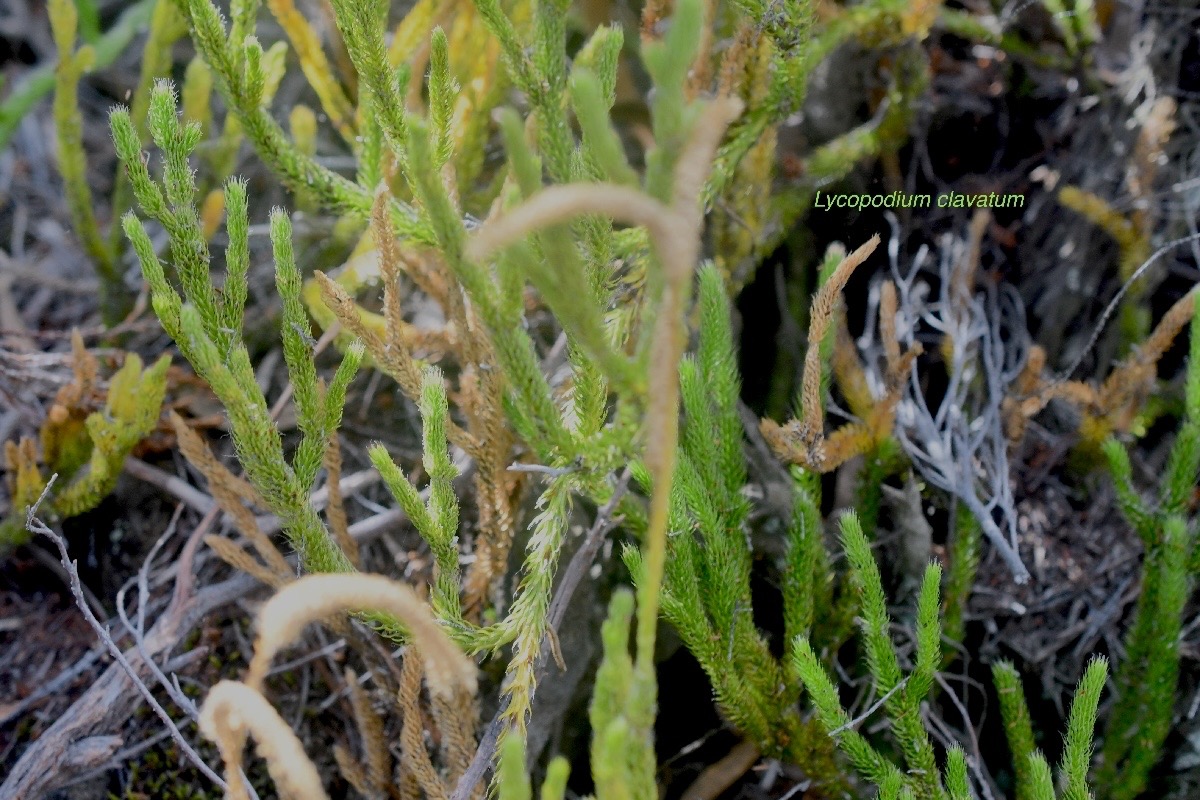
{"x":316,"y":597}
{"x":230,"y":712}
{"x":558,"y":204}
{"x":696,"y":160}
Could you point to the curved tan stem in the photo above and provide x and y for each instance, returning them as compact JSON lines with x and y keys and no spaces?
{"x":315,"y":597}
{"x":695,"y":162}
{"x":820,"y":315}
{"x":558,"y":204}
{"x":232,"y":711}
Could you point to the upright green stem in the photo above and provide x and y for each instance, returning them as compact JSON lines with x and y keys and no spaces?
{"x":40,"y":82}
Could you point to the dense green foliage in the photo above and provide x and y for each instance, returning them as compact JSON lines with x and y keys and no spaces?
{"x":643,"y":421}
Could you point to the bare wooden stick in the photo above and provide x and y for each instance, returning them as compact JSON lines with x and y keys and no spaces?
{"x":35,"y":525}
{"x":716,"y":778}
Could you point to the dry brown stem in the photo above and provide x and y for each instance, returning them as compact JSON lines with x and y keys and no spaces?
{"x":1146,"y":162}
{"x":803,"y":441}
{"x":487,"y":438}
{"x":820,"y":317}
{"x":230,"y":492}
{"x":848,"y":370}
{"x":398,"y":363}
{"x":965,"y":271}
{"x":335,"y":512}
{"x":414,"y":759}
{"x":1114,"y":405}
{"x":653,"y":13}
{"x":200,"y":456}
{"x":701,"y":72}
{"x":482,"y":401}
{"x":887,"y":330}
{"x":736,"y":58}
{"x":370,"y":727}
{"x":354,"y":772}
{"x":239,"y":559}
{"x":1126,"y":387}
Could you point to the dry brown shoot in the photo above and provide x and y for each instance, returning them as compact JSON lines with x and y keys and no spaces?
{"x":231,"y":492}
{"x":392,"y":262}
{"x":239,"y":559}
{"x":1021,"y":406}
{"x":370,"y":728}
{"x":1148,"y":150}
{"x":335,"y":511}
{"x":803,"y":441}
{"x":24,"y":478}
{"x":848,"y":371}
{"x":1124,"y":390}
{"x":408,"y":786}
{"x":393,"y":356}
{"x":965,"y":271}
{"x":843,"y":444}
{"x":316,"y":597}
{"x":820,"y":317}
{"x":736,"y":57}
{"x":389,"y":264}
{"x":65,"y":421}
{"x":353,"y":772}
{"x":653,"y":13}
{"x":1031,"y":374}
{"x":398,"y":363}
{"x":481,"y":399}
{"x":200,"y":456}
{"x":700,"y":74}
{"x":84,"y":380}
{"x":230,"y":713}
{"x":1115,"y":404}
{"x":1168,"y":329}
{"x":899,"y":362}
{"x":414,"y":758}
{"x":887,"y":331}
{"x":456,"y":718}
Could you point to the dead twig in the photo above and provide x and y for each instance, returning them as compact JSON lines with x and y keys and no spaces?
{"x":71,"y":747}
{"x":712,"y":782}
{"x":36,"y":526}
